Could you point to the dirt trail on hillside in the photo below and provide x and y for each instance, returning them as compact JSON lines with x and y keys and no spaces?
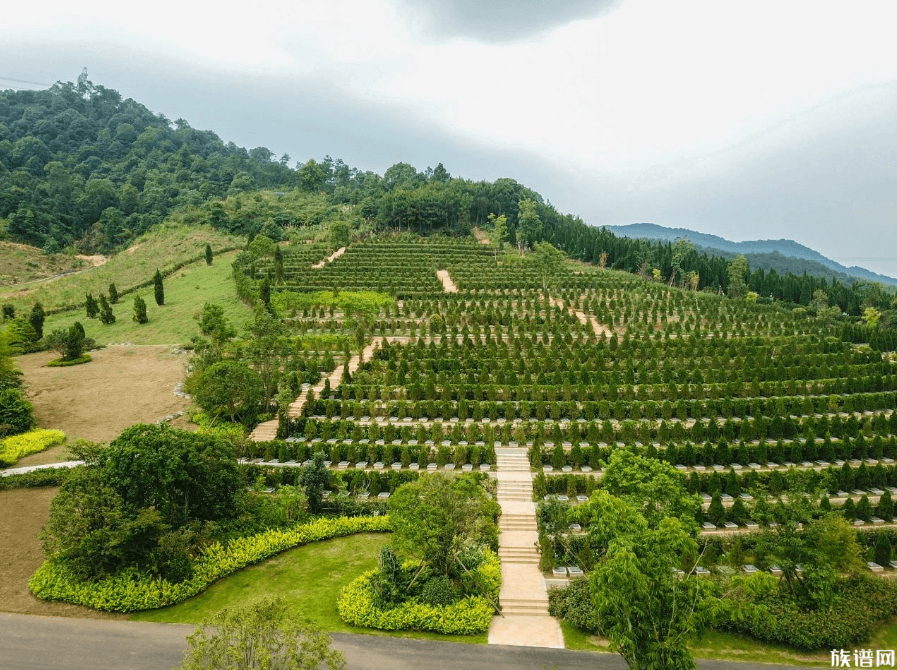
{"x":332,"y":257}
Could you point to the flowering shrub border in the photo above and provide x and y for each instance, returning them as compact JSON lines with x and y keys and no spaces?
{"x":18,"y":446}
{"x":130,"y":590}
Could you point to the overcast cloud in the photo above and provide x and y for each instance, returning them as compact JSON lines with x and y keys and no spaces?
{"x":759,"y":120}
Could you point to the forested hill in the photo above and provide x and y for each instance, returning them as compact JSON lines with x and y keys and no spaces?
{"x":81,"y":167}
{"x":783,"y":255}
{"x":79,"y":164}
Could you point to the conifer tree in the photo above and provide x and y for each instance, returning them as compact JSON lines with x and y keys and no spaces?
{"x":140,"y":310}
{"x":158,"y":289}
{"x":91,"y":306}
{"x":106,"y":315}
{"x":36,"y":319}
{"x":278,"y":265}
{"x":208,"y":254}
{"x":113,"y":294}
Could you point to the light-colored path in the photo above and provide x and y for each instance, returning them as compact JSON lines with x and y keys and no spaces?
{"x":332,"y":257}
{"x":267,"y":431}
{"x":524,"y":620}
{"x":584,"y":319}
{"x":447,"y":284}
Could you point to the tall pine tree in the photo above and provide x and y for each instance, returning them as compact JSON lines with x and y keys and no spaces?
{"x":208,"y":254}
{"x":158,"y":289}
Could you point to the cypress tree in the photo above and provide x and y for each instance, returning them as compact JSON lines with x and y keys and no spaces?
{"x":158,"y":289}
{"x":278,"y":265}
{"x":265,"y":292}
{"x":140,"y":310}
{"x":208,"y":254}
{"x":882,"y":551}
{"x":91,"y":306}
{"x":113,"y":294}
{"x":36,"y":319}
{"x":106,"y":315}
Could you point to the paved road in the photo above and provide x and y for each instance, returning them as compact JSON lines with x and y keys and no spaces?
{"x":51,"y":643}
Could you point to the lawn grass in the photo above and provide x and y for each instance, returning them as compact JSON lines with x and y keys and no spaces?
{"x":309,"y":578}
{"x":185,"y":293}
{"x":734,"y":647}
{"x":162,"y":247}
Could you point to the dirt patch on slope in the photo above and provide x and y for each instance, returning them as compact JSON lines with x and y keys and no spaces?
{"x":23,"y":512}
{"x":121,"y":386}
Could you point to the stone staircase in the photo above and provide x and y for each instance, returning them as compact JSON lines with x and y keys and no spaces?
{"x":524,"y":620}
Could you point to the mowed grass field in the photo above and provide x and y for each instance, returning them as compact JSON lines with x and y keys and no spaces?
{"x":308,"y":578}
{"x":163,"y":247}
{"x":185,"y":293}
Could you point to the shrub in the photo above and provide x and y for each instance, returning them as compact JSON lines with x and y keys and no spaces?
{"x":18,"y":446}
{"x":574,"y":605}
{"x":861,"y":602}
{"x":131,"y":590}
{"x":62,"y":363}
{"x":467,"y":616}
{"x":16,"y":413}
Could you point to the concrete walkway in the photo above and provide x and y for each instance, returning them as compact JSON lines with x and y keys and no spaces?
{"x":524,"y":620}
{"x":332,"y":257}
{"x":447,"y":284}
{"x":32,"y":468}
{"x":264,"y":432}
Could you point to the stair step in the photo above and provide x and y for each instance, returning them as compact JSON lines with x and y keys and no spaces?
{"x":524,"y":611}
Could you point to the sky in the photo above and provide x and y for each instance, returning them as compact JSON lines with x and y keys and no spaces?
{"x":760,"y":120}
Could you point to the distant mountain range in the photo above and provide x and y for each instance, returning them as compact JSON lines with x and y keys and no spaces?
{"x":783,"y":255}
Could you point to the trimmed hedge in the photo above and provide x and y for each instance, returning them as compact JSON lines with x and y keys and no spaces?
{"x":16,"y":447}
{"x":35,"y":479}
{"x":131,"y":591}
{"x":861,"y":604}
{"x":60,"y":363}
{"x":468,"y":616}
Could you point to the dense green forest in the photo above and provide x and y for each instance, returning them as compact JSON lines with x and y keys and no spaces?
{"x":80,"y":166}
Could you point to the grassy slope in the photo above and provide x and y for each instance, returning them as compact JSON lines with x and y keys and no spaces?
{"x":162,"y":247}
{"x":185,"y":293}
{"x":21,"y":263}
{"x":309,"y":578}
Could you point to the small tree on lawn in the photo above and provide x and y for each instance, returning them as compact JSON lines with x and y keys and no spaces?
{"x":113,"y":294}
{"x":91,"y":306}
{"x":106,"y":315}
{"x":263,"y":634}
{"x":69,"y":343}
{"x":140,"y":310}
{"x":158,"y":289}
{"x":208,"y":254}
{"x":36,"y":319}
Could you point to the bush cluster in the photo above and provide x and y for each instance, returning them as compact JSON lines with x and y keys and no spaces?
{"x":132,"y":590}
{"x":467,"y":615}
{"x":15,"y":447}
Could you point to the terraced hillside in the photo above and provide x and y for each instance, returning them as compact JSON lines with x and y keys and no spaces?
{"x":756,"y":406}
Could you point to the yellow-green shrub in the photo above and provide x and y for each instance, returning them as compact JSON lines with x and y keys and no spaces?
{"x":15,"y":447}
{"x":130,"y":591}
{"x":468,"y":616}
